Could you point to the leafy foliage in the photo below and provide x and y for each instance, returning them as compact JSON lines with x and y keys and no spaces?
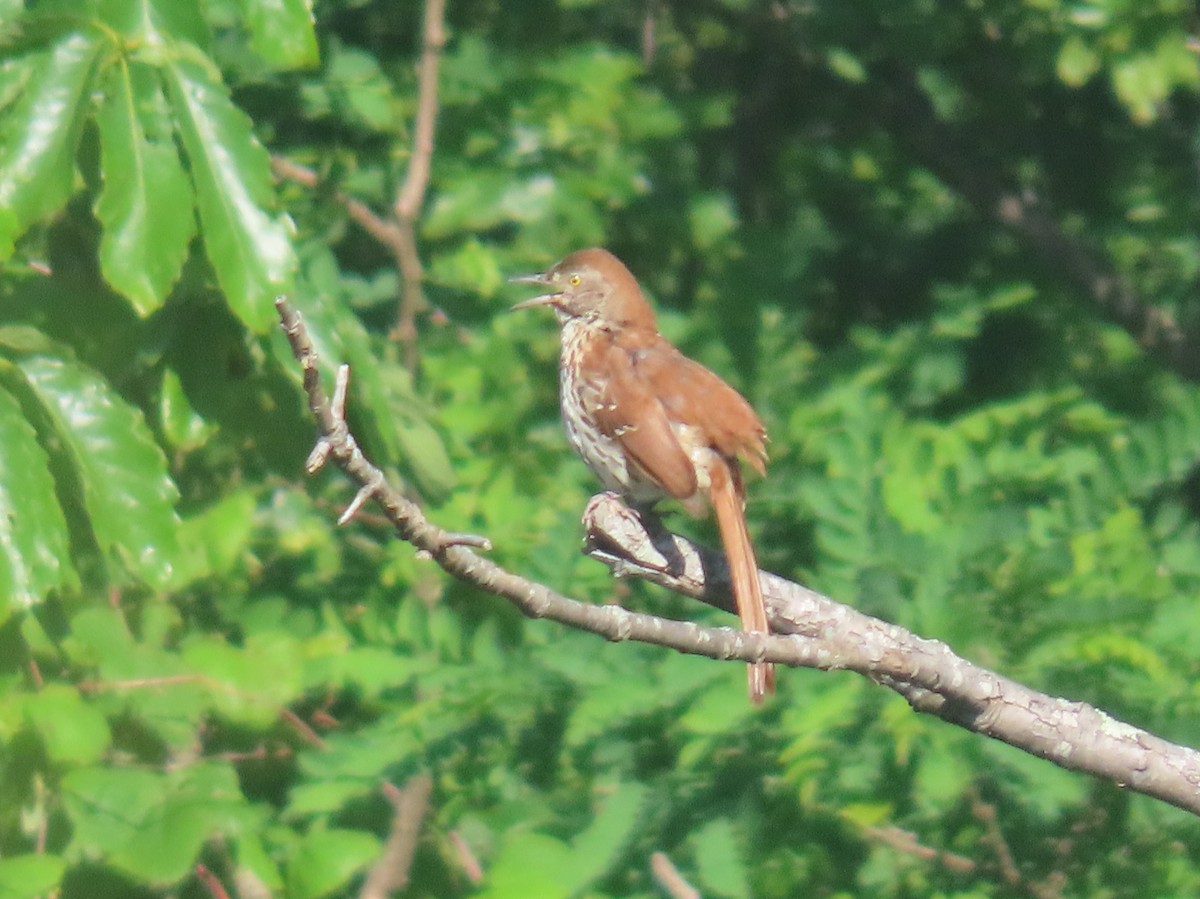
{"x":198,"y":667}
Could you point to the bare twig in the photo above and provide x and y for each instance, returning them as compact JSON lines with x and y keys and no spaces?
{"x":467,"y":859}
{"x":649,"y":39}
{"x":812,"y":630}
{"x":412,"y":192}
{"x":1154,"y":328}
{"x":211,"y":883}
{"x":303,"y":728}
{"x":669,"y":878}
{"x":985,"y":814}
{"x":391,"y":872}
{"x":1031,"y":218}
{"x":906,"y":842}
{"x":380,"y":228}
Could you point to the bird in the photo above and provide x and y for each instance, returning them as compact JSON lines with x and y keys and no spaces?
{"x":649,"y":422}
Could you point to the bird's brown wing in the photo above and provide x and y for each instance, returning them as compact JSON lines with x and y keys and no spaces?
{"x":695,"y":396}
{"x":630,"y":412}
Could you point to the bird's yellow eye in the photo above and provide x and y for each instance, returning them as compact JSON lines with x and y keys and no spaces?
{"x":575,"y":280}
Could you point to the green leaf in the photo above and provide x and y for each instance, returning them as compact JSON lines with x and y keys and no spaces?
{"x":146,"y":204}
{"x":106,"y":806}
{"x":183,"y":427}
{"x":713,"y":218}
{"x":1077,"y":62}
{"x":218,"y":536}
{"x":846,"y":65}
{"x":30,"y":876}
{"x":281,"y":31}
{"x":327,"y":859}
{"x":253,"y":682}
{"x":250,"y":251}
{"x":531,"y":864}
{"x":356,"y":90}
{"x":324,"y":797}
{"x":35,"y":555}
{"x":72,"y":731}
{"x":126,"y":491}
{"x":150,"y":825}
{"x":597,"y":847}
{"x":719,"y":862}
{"x":39,"y":137}
{"x":156,"y":22}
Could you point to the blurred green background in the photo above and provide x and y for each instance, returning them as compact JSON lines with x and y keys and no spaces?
{"x":948,"y":250}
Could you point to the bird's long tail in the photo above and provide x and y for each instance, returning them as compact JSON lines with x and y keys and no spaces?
{"x":727,"y":500}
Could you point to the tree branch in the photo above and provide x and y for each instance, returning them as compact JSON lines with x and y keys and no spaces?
{"x":398,"y":234}
{"x":811,"y":630}
{"x":668,"y":877}
{"x":1032,"y":220}
{"x":407,"y":207}
{"x":391,"y":872}
{"x":1073,"y":735}
{"x":1155,"y":329}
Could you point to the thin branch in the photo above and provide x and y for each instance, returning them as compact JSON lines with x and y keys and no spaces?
{"x":380,"y":228}
{"x":906,"y":842}
{"x":303,"y":728}
{"x":985,"y":814}
{"x":1154,"y":328}
{"x":399,"y":233}
{"x":1032,"y":220}
{"x":411,"y":195}
{"x":812,"y":631}
{"x":211,"y":882}
{"x":391,"y":872}
{"x":467,"y":859}
{"x":412,"y":192}
{"x":668,"y":877}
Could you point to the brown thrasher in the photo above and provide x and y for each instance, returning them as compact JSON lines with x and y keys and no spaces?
{"x":649,"y":422}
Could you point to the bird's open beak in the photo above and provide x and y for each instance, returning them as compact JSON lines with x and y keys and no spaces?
{"x":546,"y":299}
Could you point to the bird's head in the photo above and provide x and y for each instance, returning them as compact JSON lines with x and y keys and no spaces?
{"x":593,"y":285}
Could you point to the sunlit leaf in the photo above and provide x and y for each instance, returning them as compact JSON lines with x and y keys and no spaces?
{"x":327,"y":859}
{"x":281,"y":31}
{"x":250,"y":250}
{"x":35,"y":553}
{"x":72,"y":731}
{"x":146,"y":205}
{"x":39,"y":137}
{"x":126,"y":491}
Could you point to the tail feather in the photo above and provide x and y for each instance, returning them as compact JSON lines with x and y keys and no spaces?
{"x":728,"y":503}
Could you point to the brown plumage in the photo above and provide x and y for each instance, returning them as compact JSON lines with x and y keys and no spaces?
{"x":651,"y":423}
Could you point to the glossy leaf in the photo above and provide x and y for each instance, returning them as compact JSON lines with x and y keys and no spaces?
{"x":35,"y":555}
{"x":249,"y":249}
{"x":157,"y":21}
{"x":39,"y":136}
{"x":146,"y":206}
{"x":126,"y":492}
